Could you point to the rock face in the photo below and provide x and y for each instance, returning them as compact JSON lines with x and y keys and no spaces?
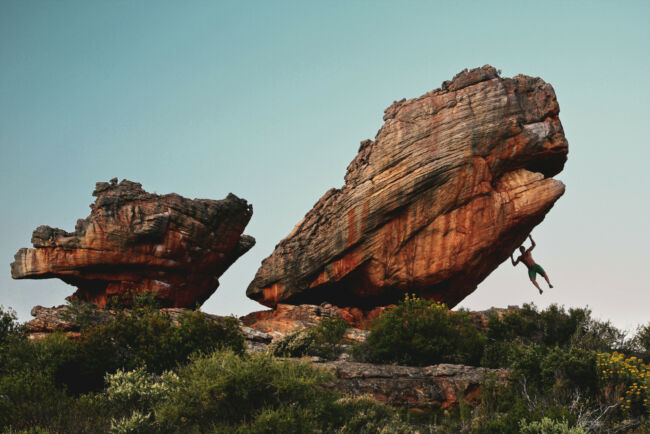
{"x":437,"y":386}
{"x":134,"y":241}
{"x":453,"y":182}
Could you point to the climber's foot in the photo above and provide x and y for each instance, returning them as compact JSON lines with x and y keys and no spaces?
{"x":540,"y":291}
{"x":550,"y":286}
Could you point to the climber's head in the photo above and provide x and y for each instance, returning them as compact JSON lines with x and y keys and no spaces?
{"x":522,"y":249}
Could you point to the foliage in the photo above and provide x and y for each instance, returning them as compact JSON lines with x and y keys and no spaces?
{"x":364,"y":415}
{"x":36,"y":378}
{"x":227,"y":388}
{"x":137,"y":422}
{"x":549,"y":426}
{"x":146,"y":300}
{"x":139,"y":388}
{"x":82,"y":313}
{"x":149,"y":339}
{"x":423,"y":332}
{"x":551,"y":327}
{"x":555,"y":370}
{"x":32,"y":393}
{"x":641,"y":342}
{"x":324,"y":340}
{"x":627,"y":378}
{"x":147,"y":372}
{"x":9,"y":326}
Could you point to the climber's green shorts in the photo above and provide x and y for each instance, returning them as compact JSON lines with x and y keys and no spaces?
{"x":535,"y":269}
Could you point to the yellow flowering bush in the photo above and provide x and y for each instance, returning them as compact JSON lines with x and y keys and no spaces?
{"x":627,"y":377}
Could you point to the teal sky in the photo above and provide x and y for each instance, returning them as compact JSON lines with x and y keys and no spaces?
{"x":269,"y":100}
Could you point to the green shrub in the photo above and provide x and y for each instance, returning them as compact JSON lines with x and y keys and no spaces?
{"x":365,"y":415}
{"x":554,"y":326}
{"x":228,"y":389}
{"x":504,"y":406}
{"x":549,"y":426}
{"x":423,"y":332}
{"x":146,"y":339}
{"x":82,"y":313}
{"x":224,"y":392}
{"x":555,"y":371}
{"x":641,"y":342}
{"x":324,"y":340}
{"x":33,"y":395}
{"x":30,"y":398}
{"x":136,"y":422}
{"x":9,"y":326}
{"x":138,"y":389}
{"x":146,"y":300}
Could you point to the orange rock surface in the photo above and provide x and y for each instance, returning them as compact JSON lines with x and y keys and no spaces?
{"x":453,"y":182}
{"x":134,"y":241}
{"x":285,"y":319}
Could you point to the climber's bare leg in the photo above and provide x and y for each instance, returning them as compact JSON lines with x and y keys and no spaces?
{"x":547,"y":281}
{"x":536,"y":285}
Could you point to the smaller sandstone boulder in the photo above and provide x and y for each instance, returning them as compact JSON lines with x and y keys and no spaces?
{"x":136,"y":242}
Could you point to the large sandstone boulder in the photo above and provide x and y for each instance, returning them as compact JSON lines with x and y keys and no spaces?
{"x":135,"y":242}
{"x":453,"y":182}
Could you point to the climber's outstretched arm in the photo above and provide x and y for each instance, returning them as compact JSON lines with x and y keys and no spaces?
{"x":513,"y":261}
{"x":532,"y":242}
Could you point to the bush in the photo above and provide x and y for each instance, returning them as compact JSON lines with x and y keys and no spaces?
{"x":224,"y":392}
{"x":83,"y":314}
{"x":641,"y":342}
{"x":138,"y":388}
{"x":324,"y":341}
{"x":9,"y":326}
{"x":423,"y":332}
{"x":554,"y":326}
{"x":555,"y":371}
{"x":149,"y":339}
{"x":626,"y":378}
{"x":549,"y":426}
{"x":504,"y":406}
{"x":365,"y":415}
{"x":226,"y":388}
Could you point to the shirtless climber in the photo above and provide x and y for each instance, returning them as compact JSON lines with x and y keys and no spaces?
{"x":533,"y":268}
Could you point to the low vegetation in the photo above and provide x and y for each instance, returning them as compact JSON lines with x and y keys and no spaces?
{"x":422,"y":332}
{"x":324,"y":340}
{"x":143,"y":372}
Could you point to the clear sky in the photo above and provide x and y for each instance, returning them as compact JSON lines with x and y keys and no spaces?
{"x":270,"y":99}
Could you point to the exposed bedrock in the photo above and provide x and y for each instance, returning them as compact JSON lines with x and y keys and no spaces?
{"x":134,"y":241}
{"x":453,"y":182}
{"x":437,"y":386}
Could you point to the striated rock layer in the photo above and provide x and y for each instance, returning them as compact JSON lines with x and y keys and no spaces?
{"x":453,"y":182}
{"x":134,"y":241}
